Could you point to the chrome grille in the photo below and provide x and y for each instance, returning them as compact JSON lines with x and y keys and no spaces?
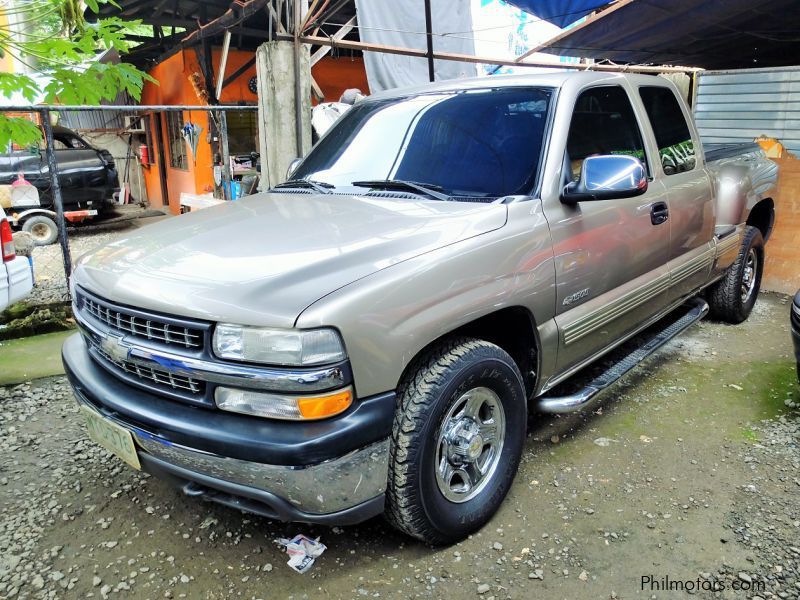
{"x":150,"y":375}
{"x":146,"y":328}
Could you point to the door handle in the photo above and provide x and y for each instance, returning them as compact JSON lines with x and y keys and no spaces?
{"x":659,"y":213}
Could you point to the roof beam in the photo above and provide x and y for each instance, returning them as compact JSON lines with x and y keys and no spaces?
{"x":469,"y":58}
{"x":343,"y":31}
{"x":589,"y":20}
{"x":239,"y":72}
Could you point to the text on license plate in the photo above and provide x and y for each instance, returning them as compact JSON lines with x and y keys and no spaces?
{"x":111,"y":436}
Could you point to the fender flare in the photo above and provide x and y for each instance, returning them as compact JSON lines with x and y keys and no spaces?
{"x":17,"y":219}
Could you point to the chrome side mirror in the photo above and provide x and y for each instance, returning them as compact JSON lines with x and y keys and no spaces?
{"x":293,"y":167}
{"x":607,"y":177}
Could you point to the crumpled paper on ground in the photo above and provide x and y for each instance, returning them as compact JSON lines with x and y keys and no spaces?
{"x":302,"y":551}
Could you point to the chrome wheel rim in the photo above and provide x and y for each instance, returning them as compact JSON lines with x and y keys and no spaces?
{"x":749,"y":275}
{"x":469,"y":444}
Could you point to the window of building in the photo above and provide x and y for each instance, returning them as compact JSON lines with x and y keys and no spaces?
{"x":603,"y":122}
{"x":242,"y":131}
{"x":178,"y":158}
{"x":674,"y":140}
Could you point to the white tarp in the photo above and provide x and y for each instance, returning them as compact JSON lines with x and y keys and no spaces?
{"x":402,"y":23}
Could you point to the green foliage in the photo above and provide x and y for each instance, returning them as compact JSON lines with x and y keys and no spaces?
{"x":60,"y":45}
{"x":21,"y":131}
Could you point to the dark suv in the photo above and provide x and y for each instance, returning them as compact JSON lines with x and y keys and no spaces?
{"x":88,"y":178}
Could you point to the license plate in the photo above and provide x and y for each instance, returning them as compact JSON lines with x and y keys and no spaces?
{"x":112,"y":437}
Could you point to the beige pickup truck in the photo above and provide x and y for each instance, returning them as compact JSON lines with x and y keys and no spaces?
{"x":373,"y":335}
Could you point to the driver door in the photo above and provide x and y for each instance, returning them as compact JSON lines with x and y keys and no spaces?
{"x":610,"y":257}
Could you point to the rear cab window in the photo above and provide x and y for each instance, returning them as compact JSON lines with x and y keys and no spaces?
{"x":603,"y":122}
{"x":674,"y":140}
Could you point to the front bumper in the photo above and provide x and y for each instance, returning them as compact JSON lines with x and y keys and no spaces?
{"x":331,"y":472}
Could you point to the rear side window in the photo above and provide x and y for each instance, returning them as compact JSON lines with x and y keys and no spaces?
{"x":603,"y":122}
{"x":675,"y":145}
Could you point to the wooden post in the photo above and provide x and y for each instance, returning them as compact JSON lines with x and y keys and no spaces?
{"x":299,"y":103}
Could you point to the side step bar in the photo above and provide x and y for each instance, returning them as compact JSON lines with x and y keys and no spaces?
{"x":697,"y":309}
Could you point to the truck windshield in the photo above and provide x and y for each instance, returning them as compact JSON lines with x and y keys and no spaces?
{"x":477,"y":144}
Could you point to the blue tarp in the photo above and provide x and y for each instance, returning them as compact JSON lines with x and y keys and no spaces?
{"x":559,"y":12}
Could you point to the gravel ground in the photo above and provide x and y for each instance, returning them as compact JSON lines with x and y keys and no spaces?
{"x":687,"y":475}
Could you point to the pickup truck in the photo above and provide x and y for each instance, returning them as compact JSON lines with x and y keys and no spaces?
{"x":87,"y":175}
{"x":371,"y":335}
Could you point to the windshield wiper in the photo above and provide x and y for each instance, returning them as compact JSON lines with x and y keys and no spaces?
{"x":428,"y":189}
{"x":321,"y":187}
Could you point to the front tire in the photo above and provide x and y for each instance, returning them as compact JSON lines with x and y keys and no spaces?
{"x":732,"y":298}
{"x":457,"y":439}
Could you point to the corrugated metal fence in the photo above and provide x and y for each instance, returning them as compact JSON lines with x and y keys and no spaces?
{"x":739,"y":106}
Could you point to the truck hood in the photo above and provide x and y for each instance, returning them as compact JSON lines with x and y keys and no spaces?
{"x":262,"y":260}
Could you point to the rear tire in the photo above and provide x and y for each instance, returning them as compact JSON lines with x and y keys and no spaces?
{"x":457,"y":439}
{"x":43,"y":230}
{"x":732,"y":298}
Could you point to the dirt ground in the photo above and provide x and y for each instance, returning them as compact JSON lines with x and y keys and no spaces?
{"x":687,"y":473}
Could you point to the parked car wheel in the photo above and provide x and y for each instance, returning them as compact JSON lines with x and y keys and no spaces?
{"x":732,"y":298}
{"x":43,"y":230}
{"x":457,"y":439}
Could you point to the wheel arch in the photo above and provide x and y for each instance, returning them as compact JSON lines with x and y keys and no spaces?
{"x":511,"y":328}
{"x":762,"y":217}
{"x":21,"y":217}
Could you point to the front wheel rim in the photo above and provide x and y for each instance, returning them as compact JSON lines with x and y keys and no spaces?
{"x":469,"y":444}
{"x":40,"y":231}
{"x":749,"y":276}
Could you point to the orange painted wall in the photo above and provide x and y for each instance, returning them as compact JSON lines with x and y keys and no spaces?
{"x":334,"y":75}
{"x":782,"y":265}
{"x":174,"y":87}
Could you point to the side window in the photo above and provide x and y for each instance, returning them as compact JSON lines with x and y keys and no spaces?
{"x":603,"y":122}
{"x":675,"y":146}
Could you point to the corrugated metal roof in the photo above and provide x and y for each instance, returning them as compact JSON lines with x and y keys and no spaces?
{"x":98,"y":119}
{"x":739,"y":106}
{"x":713,"y":34}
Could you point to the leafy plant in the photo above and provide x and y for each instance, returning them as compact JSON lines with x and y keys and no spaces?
{"x":53,"y":39}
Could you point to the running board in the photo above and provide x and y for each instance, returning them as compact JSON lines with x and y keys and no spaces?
{"x":697,"y":309}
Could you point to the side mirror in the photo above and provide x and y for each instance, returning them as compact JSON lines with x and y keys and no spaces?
{"x":607,"y":177}
{"x":292,"y":167}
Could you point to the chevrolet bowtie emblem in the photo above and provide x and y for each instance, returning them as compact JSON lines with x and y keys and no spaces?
{"x":115,"y":347}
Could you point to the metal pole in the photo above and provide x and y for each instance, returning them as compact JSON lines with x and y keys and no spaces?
{"x":298,"y":94}
{"x":429,"y":36}
{"x":227,"y":188}
{"x":55,"y":187}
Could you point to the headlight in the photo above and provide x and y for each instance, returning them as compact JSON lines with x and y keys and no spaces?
{"x":295,"y":347}
{"x":281,"y":406}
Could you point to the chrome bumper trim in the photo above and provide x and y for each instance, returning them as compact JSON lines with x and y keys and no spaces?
{"x":228,"y":373}
{"x":324,"y":488}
